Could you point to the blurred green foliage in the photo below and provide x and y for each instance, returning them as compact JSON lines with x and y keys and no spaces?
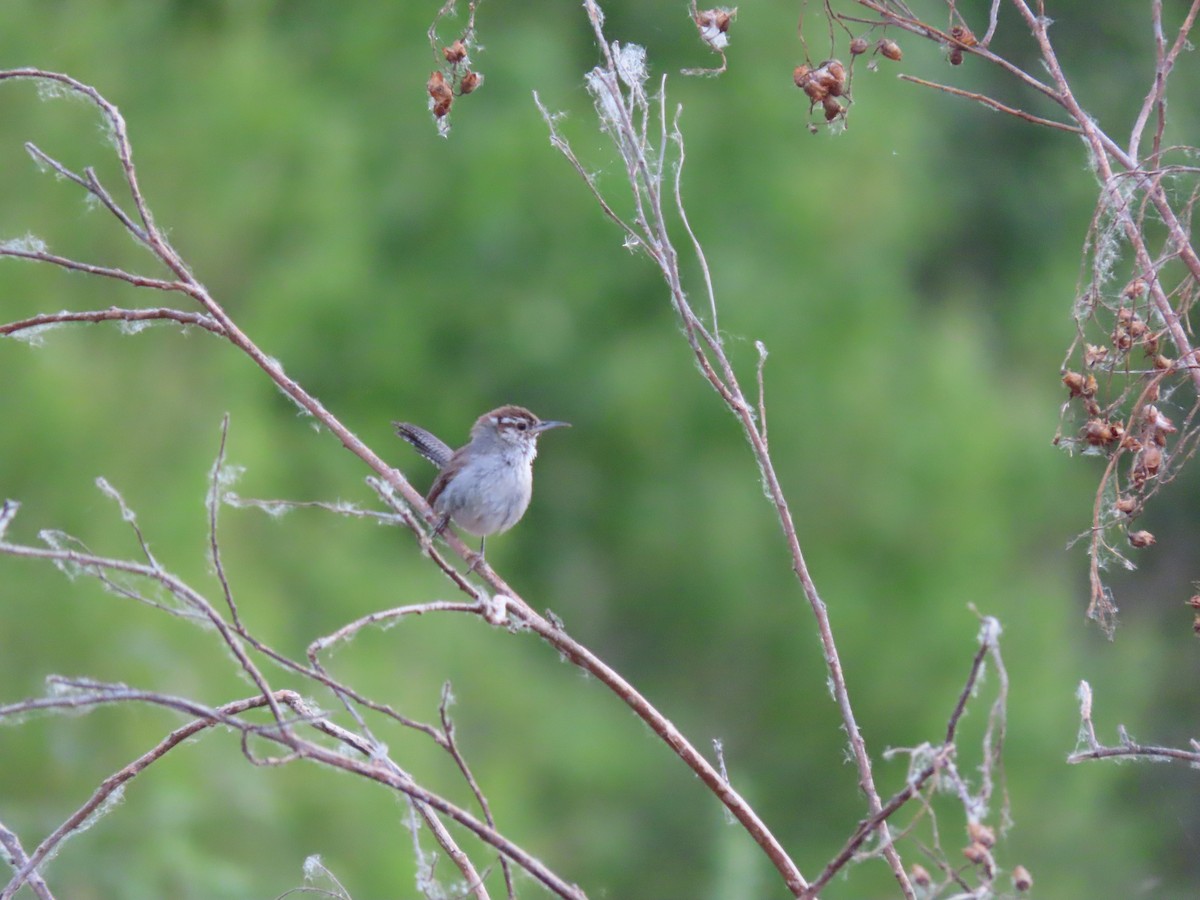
{"x":912,"y":279}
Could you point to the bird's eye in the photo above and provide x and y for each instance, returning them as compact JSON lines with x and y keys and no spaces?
{"x":522,"y":426}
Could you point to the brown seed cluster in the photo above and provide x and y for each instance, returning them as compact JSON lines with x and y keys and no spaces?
{"x":830,"y":80}
{"x":456,"y":80}
{"x":440,"y":94}
{"x":713,"y":25}
{"x":963,"y":37}
{"x":823,"y":85}
{"x":1145,"y":436}
{"x":981,"y":840}
{"x":1143,"y":433}
{"x":890,"y":49}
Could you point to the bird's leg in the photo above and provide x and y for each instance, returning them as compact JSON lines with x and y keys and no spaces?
{"x":478,"y":556}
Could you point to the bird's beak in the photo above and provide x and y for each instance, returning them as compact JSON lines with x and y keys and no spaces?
{"x":546,"y":426}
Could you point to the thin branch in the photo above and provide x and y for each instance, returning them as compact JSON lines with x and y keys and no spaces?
{"x":115,"y":314}
{"x":116,"y":782}
{"x":697,"y":248}
{"x":90,"y":183}
{"x":1164,"y":63}
{"x":8,"y":249}
{"x":469,"y":777}
{"x":228,"y":714}
{"x":762,"y":391}
{"x":213,"y":501}
{"x":1127,"y":748}
{"x":993,"y":21}
{"x":18,"y":860}
{"x":618,"y":110}
{"x":96,"y":566}
{"x":128,"y":515}
{"x":350,"y":629}
{"x":993,"y":104}
{"x":941,"y":758}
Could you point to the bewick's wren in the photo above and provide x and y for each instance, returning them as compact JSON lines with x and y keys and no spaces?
{"x":484,"y":486}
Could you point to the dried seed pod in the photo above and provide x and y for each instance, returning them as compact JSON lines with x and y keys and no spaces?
{"x":1074,"y":382}
{"x":891,"y":50}
{"x":470,"y":82}
{"x":1141,"y":539}
{"x":956,"y":56}
{"x":858,"y":47}
{"x":437,"y":87}
{"x":714,"y":18}
{"x":833,"y":109}
{"x":714,"y":25}
{"x":978,"y":854}
{"x":1194,"y":601}
{"x":1126,"y":505}
{"x":833,"y":77}
{"x":806,"y":79}
{"x":1093,"y":354}
{"x":963,"y":35}
{"x":1021,"y":878}
{"x":920,"y":875}
{"x":981,"y":834}
{"x":1097,"y":432}
{"x":1157,"y":421}
{"x":1135,"y":289}
{"x":975,"y":853}
{"x":1150,"y":459}
{"x":440,"y":95}
{"x":455,"y":53}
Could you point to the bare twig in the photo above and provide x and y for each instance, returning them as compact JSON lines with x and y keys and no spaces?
{"x":1127,"y":748}
{"x":158,"y":284}
{"x":114,"y":783}
{"x":1135,"y":196}
{"x":618,"y":88}
{"x":469,"y":777}
{"x":940,"y":758}
{"x":370,"y":767}
{"x":114,"y":314}
{"x":100,"y":567}
{"x":993,"y":104}
{"x":17,"y":858}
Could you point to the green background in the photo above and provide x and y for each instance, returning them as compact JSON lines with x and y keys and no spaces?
{"x":912,"y":278}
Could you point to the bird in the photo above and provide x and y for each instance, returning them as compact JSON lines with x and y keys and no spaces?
{"x":485,"y":486}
